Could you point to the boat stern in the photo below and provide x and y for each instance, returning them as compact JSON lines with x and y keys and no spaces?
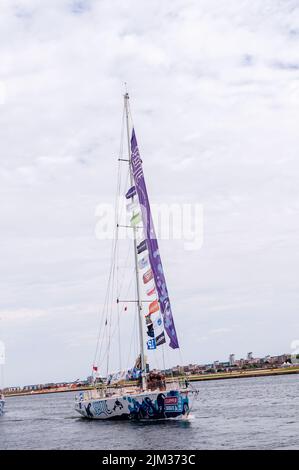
{"x":162,"y":405}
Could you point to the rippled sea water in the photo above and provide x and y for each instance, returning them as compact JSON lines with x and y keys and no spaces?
{"x":248,"y":413}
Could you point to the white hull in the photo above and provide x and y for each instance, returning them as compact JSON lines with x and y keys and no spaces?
{"x":2,"y":403}
{"x":146,"y":405}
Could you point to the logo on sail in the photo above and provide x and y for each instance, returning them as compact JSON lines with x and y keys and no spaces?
{"x":153,"y":307}
{"x":148,"y":276}
{"x":151,"y":290}
{"x":131,"y":192}
{"x":143,"y":262}
{"x":151,"y":344}
{"x":160,"y":339}
{"x":141,"y":247}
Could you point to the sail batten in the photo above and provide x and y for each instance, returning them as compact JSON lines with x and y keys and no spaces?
{"x":152,"y":246}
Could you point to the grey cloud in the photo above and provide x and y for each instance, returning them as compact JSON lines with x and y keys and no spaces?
{"x":216,"y":123}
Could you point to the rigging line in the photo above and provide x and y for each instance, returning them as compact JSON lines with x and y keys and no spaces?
{"x":105,"y":303}
{"x":115,"y":327}
{"x":109,"y":315}
{"x":171,"y":373}
{"x":128,"y":289}
{"x":111,"y":312}
{"x":131,"y":282}
{"x":110,"y":302}
{"x":132,"y":341}
{"x":108,"y":346}
{"x":118,"y":307}
{"x":100,"y":329}
{"x":167,"y":352}
{"x":136,"y":354}
{"x":120,"y":287}
{"x":124,"y":191}
{"x":114,"y":287}
{"x":128,"y":170}
{"x":109,"y":278}
{"x":113,"y":278}
{"x":130,"y":114}
{"x":126,"y":265}
{"x":126,"y":179}
{"x":111,"y":283}
{"x":110,"y":297}
{"x":122,"y":131}
{"x":105,"y":306}
{"x":182,"y":361}
{"x":103,"y":330}
{"x":121,"y":145}
{"x":163,"y":356}
{"x":119,"y":337}
{"x":121,"y":191}
{"x":154,"y":360}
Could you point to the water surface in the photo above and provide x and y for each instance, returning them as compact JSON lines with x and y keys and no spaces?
{"x":247,"y":413}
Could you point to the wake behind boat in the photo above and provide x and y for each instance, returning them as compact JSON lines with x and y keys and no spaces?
{"x":152,"y":397}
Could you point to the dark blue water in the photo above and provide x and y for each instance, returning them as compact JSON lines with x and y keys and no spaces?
{"x":248,"y":413}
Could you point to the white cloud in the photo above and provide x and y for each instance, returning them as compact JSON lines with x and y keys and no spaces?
{"x":214,"y":92}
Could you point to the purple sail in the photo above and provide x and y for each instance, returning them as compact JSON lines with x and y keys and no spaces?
{"x":152,"y":244}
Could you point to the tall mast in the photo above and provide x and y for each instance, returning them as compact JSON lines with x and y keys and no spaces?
{"x":139,"y":302}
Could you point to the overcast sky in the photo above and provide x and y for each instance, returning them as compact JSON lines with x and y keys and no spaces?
{"x":214,"y":88}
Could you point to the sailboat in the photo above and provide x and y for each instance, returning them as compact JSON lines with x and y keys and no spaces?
{"x":152,"y":397}
{"x":2,"y":403}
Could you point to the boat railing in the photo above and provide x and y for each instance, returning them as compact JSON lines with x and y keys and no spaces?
{"x":105,"y":392}
{"x":180,"y":384}
{"x":174,"y":384}
{"x":90,"y":394}
{"x":109,"y":392}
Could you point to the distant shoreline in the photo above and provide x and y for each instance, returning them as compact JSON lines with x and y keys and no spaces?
{"x":240,"y":374}
{"x":191,"y":378}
